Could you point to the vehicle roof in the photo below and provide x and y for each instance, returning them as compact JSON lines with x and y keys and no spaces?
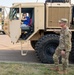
{"x":30,"y":4}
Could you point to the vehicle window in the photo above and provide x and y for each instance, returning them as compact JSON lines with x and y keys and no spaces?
{"x":13,"y":14}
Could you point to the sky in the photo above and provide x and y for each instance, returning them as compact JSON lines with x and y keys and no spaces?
{"x":9,"y":2}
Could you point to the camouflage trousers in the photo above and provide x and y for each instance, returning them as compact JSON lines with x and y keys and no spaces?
{"x":65,"y":59}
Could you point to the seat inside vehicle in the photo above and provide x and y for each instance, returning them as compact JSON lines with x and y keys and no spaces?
{"x":30,"y":11}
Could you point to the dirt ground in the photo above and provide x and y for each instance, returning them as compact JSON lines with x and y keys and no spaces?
{"x":5,"y":44}
{"x":12,"y":52}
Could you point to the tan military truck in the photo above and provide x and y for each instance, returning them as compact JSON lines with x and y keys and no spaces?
{"x":40,"y":33}
{"x":2,"y":16}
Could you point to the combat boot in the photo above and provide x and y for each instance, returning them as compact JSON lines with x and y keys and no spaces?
{"x":55,"y":68}
{"x":65,"y":72}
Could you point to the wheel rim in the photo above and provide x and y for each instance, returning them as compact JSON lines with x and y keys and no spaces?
{"x":49,"y":48}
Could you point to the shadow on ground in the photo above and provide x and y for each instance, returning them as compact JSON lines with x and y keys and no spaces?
{"x":15,"y":56}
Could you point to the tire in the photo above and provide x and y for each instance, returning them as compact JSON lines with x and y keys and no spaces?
{"x":33,"y":43}
{"x":45,"y":48}
{"x":71,"y":57}
{"x":3,"y":32}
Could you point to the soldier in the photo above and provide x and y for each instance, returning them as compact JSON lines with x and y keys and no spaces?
{"x":64,"y":47}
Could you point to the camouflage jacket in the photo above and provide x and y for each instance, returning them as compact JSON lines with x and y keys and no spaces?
{"x":65,"y":39}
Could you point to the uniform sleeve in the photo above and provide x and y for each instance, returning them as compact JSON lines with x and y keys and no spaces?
{"x":67,"y":40}
{"x":58,"y":32}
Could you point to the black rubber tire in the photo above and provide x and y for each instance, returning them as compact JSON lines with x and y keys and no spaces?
{"x":3,"y":32}
{"x":45,"y":48}
{"x":33,"y":43}
{"x":71,"y":57}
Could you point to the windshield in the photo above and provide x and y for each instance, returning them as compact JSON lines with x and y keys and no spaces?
{"x":13,"y":14}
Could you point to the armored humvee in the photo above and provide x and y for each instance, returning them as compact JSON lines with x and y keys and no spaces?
{"x":41,"y":33}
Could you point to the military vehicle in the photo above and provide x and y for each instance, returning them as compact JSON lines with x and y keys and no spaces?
{"x":2,"y":17}
{"x":44,"y":21}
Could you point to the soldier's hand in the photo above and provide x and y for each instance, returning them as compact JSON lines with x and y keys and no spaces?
{"x":56,"y":31}
{"x":63,"y":52}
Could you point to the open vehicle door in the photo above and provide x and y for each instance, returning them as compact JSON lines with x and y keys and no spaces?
{"x":15,"y":22}
{"x":2,"y":17}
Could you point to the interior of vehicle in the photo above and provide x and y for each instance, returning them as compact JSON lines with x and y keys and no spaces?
{"x":26,"y":31}
{"x":72,"y":15}
{"x":30,"y":29}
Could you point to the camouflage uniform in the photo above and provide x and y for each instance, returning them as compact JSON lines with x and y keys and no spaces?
{"x":64,"y":44}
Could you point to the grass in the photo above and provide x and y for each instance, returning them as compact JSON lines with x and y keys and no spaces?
{"x":29,"y":69}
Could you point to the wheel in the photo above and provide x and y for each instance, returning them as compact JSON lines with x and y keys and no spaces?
{"x":3,"y":32}
{"x":45,"y":48}
{"x":33,"y":44}
{"x":71,"y":57}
